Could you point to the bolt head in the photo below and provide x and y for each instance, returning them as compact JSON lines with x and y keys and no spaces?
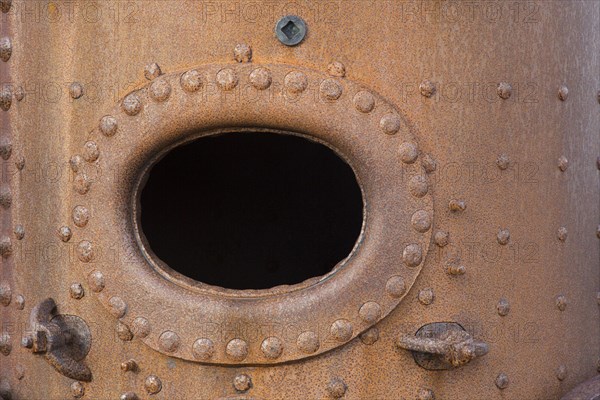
{"x":27,"y":341}
{"x":290,"y":30}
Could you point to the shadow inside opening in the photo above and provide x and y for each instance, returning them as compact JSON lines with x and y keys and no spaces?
{"x":251,"y":210}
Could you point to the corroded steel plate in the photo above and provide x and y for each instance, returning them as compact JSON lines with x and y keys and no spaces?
{"x":191,"y":320}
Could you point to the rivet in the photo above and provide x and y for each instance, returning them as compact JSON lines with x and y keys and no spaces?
{"x":5,"y":49}
{"x":260,"y":78}
{"x":272,"y":347}
{"x":81,"y":216}
{"x":337,"y":388}
{"x":82,"y":183}
{"x":370,"y":336}
{"x":5,"y":97}
{"x":242,"y":53}
{"x":153,"y":384}
{"x":563,"y":93}
{"x":108,"y":125}
{"x":418,"y":186}
{"x":96,"y":281}
{"x":503,"y":307}
{"x":20,"y":301}
{"x":364,"y":101}
{"x":20,"y":163}
{"x":295,"y":82}
{"x":561,"y":372}
{"x":456,"y":205}
{"x":341,"y":330}
{"x":76,"y":90}
{"x":152,"y":71}
{"x":118,"y":307}
{"x":598,"y":231}
{"x":227,"y":79}
{"x":598,"y":298}
{"x":77,"y":389}
{"x":131,"y":105}
{"x":129,"y":396}
{"x":64,"y":233}
{"x":412,"y":255}
{"x":395,"y":286}
{"x":561,"y":302}
{"x":75,"y":162}
{"x":336,"y":69}
{"x":5,"y":344}
{"x":140,"y":327}
{"x":308,"y":342}
{"x":123,"y":332}
{"x":504,"y":90}
{"x":27,"y":341}
{"x":5,"y":148}
{"x":169,"y":341}
{"x":5,"y":197}
{"x":425,"y":394}
{"x":290,"y":30}
{"x":19,"y":232}
{"x":441,"y":238}
{"x":426,"y":296}
{"x":85,"y":251}
{"x":5,"y":5}
{"x":598,"y":96}
{"x":76,"y":291}
{"x":330,"y":89}
{"x":237,"y":349}
{"x":203,"y":349}
{"x":370,"y":312}
{"x":160,"y":90}
{"x":502,"y":381}
{"x":19,"y":93}
{"x":90,"y":151}
{"x":6,"y":248}
{"x":191,"y":81}
{"x":242,"y":383}
{"x":428,"y":163}
{"x":408,"y":153}
{"x":453,"y":268}
{"x":503,"y":161}
{"x":19,"y":371}
{"x":129,"y":365}
{"x":503,"y":236}
{"x":421,"y":221}
{"x":563,"y":163}
{"x":390,"y":124}
{"x":598,"y":162}
{"x":427,"y":88}
{"x":562,"y":234}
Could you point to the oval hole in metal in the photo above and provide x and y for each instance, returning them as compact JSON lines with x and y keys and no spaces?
{"x":251,"y":210}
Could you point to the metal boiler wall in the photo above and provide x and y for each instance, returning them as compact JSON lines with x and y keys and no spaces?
{"x":473,"y":129}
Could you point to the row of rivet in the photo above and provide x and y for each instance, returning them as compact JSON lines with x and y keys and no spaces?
{"x":295,"y":82}
{"x":237,"y":349}
{"x":6,"y":249}
{"x":191,"y":81}
{"x":503,"y":90}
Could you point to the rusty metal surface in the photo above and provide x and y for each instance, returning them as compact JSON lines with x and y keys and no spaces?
{"x":473,"y":131}
{"x":588,"y":390}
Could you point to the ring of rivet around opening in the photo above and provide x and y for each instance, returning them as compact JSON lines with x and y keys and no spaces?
{"x":203,"y":323}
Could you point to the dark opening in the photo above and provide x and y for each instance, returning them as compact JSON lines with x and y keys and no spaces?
{"x":251,"y":210}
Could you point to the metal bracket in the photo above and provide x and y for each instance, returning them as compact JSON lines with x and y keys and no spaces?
{"x":64,"y":340}
{"x":442,"y":345}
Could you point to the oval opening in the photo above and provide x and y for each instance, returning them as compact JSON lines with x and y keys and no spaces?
{"x":251,"y":210}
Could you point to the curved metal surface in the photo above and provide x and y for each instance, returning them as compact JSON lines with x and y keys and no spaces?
{"x":502,"y":99}
{"x":327,"y":311}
